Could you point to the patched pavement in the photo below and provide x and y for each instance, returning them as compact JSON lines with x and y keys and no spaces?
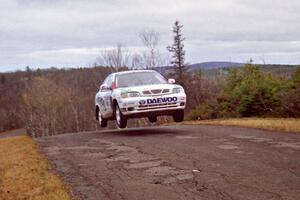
{"x":178,"y":162}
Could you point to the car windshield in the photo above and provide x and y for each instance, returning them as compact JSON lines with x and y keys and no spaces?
{"x":139,"y":78}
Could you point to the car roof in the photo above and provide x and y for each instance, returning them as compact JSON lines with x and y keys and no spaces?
{"x":132,"y":71}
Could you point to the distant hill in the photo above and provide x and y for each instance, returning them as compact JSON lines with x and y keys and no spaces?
{"x":227,"y":65}
{"x":204,"y":66}
{"x":215,"y":65}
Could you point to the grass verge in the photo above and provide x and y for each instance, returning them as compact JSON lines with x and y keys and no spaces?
{"x":26,"y":174}
{"x":274,"y":124}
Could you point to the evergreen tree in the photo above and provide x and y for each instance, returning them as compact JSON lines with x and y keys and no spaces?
{"x":38,"y":72}
{"x":178,"y":57}
{"x":28,"y":74}
{"x":3,"y":79}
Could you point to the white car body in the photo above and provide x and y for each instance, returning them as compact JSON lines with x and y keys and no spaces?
{"x":146,"y":100}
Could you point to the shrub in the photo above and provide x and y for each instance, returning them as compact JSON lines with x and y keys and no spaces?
{"x":290,"y":104}
{"x":249,"y":92}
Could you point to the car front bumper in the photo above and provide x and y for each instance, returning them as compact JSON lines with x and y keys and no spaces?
{"x":152,"y":105}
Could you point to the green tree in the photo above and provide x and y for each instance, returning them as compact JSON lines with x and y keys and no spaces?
{"x":29,"y":74}
{"x":178,"y":57}
{"x":290,"y":97}
{"x":249,"y":92}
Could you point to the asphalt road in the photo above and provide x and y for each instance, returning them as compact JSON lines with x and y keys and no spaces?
{"x":178,"y":162}
{"x":13,"y":133}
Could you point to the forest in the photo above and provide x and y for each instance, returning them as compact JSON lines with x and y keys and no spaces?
{"x":55,"y":101}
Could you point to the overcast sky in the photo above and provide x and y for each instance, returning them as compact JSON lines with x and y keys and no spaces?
{"x":72,"y":33}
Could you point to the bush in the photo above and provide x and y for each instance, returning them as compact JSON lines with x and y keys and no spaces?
{"x":290,"y":104}
{"x":249,"y":92}
{"x":204,"y":111}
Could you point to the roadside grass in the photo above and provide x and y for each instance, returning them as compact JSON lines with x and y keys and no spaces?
{"x":274,"y":124}
{"x":26,"y":174}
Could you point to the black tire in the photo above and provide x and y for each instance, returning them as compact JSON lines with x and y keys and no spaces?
{"x":178,"y":116}
{"x":121,"y":119}
{"x":152,"y":119}
{"x":102,"y":122}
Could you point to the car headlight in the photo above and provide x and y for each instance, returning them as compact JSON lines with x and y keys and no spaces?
{"x":130,"y":94}
{"x":177,"y":90}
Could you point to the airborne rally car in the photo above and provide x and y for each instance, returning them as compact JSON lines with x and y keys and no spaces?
{"x":140,"y":93}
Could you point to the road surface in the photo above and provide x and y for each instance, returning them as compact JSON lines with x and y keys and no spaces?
{"x":178,"y":162}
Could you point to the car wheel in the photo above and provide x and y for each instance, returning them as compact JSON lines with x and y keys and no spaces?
{"x":102,"y":122}
{"x":152,"y":119}
{"x":178,"y":116}
{"x":120,"y":118}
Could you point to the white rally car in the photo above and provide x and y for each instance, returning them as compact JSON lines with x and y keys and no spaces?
{"x":140,"y":93}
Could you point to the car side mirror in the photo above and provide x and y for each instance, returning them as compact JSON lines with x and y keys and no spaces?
{"x":171,"y":80}
{"x":104,"y":87}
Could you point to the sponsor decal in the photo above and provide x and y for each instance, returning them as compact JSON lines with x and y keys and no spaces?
{"x":101,"y":101}
{"x":162,"y":100}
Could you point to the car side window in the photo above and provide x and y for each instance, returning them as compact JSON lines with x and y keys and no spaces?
{"x":105,"y":80}
{"x":109,"y":81}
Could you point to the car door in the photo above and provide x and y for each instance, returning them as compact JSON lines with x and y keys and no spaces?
{"x":100,"y":98}
{"x":106,"y":95}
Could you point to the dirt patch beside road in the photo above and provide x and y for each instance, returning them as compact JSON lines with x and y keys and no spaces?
{"x":178,"y":162}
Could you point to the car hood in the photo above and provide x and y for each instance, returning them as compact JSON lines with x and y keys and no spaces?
{"x":154,"y":89}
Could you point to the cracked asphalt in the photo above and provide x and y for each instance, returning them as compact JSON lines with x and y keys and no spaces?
{"x":178,"y":162}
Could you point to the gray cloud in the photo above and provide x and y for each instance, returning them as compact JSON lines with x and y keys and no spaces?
{"x":43,"y":33}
